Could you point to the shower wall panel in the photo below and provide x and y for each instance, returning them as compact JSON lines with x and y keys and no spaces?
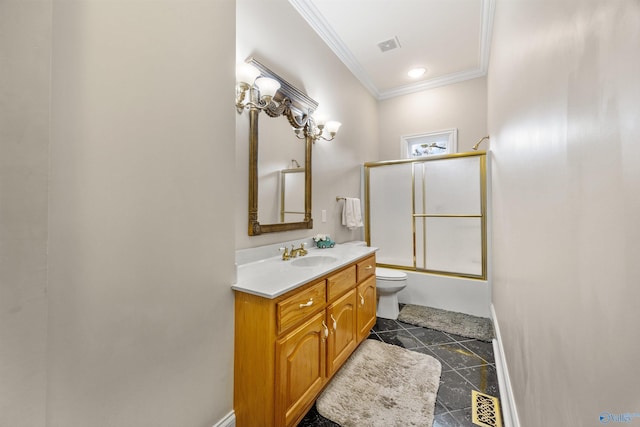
{"x":452,"y":186}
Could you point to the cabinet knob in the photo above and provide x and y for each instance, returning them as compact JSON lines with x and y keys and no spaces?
{"x":307,"y":304}
{"x":368,"y":267}
{"x":335,"y":324}
{"x":361,"y":299}
{"x":326,"y":329}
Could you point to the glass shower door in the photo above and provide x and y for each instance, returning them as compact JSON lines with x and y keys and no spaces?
{"x":448,"y":215}
{"x":429,"y":214}
{"x":390,"y":206}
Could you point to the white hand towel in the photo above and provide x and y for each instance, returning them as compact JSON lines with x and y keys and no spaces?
{"x":351,"y":214}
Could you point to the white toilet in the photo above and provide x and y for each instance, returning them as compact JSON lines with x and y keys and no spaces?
{"x":388,"y":283}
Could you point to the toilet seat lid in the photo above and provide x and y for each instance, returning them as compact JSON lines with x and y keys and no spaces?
{"x":390,"y":274}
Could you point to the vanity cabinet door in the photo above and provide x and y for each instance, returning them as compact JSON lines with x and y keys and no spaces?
{"x":300,"y":369}
{"x":343,"y":337}
{"x":366,"y":301}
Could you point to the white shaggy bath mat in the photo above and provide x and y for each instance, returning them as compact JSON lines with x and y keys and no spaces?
{"x":382,"y":385}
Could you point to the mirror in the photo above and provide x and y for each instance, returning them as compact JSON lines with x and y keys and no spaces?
{"x":279,"y":150}
{"x":268,"y":190}
{"x":292,"y":195}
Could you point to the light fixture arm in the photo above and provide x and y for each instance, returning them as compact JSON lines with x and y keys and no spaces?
{"x":241,"y":93}
{"x":249,"y":97}
{"x":316,"y":131}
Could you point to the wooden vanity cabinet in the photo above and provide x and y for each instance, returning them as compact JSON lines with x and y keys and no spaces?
{"x":366,"y":296}
{"x":366,"y":302}
{"x":343,"y":331}
{"x":300,"y":369}
{"x":288,"y":348}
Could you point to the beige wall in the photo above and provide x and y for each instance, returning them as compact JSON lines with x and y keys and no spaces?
{"x":563,"y":95}
{"x":140,"y":319}
{"x":138,"y":304}
{"x":462,"y":106}
{"x":288,"y":46}
{"x":25,"y":55}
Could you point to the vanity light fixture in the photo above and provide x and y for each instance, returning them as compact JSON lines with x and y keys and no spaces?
{"x":256,"y":90}
{"x":260,"y":90}
{"x":315,"y":129}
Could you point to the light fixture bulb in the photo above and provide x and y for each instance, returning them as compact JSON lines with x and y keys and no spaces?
{"x":320,"y":119}
{"x":246,"y":73}
{"x":417,"y":72}
{"x":267,"y":87}
{"x":332,"y":126}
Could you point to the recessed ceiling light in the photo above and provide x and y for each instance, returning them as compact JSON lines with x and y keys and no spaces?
{"x":417,"y":72}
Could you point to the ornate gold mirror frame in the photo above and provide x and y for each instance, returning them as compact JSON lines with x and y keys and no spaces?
{"x":297,"y":107}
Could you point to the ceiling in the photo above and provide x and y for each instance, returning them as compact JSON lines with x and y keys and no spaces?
{"x":450,"y":38}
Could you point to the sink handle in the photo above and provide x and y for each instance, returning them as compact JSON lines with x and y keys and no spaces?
{"x":285,"y":254}
{"x":307,"y":304}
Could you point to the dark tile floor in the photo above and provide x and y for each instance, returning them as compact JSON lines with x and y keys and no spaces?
{"x":467,"y":364}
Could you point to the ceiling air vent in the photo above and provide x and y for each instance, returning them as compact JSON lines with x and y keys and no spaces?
{"x":390,"y":44}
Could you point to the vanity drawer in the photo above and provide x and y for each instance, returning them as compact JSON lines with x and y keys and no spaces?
{"x":366,"y":268}
{"x":297,"y":307}
{"x":340,"y":282}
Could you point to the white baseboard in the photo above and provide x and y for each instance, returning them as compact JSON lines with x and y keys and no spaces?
{"x":507,"y":401}
{"x":229,"y":420}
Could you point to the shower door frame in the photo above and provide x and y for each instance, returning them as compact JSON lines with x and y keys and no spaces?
{"x":415,"y":216}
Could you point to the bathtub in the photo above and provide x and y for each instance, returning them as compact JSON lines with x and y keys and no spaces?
{"x":463,"y":295}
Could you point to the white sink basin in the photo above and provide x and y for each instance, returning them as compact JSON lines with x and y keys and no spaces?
{"x":313,"y":261}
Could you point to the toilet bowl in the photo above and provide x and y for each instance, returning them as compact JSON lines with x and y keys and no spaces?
{"x":388,"y":283}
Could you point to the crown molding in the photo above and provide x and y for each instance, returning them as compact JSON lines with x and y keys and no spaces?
{"x":435,"y":82}
{"x":314,"y":18}
{"x":486,"y":30}
{"x":308,"y":10}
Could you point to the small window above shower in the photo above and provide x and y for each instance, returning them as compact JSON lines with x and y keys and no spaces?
{"x":429,"y":144}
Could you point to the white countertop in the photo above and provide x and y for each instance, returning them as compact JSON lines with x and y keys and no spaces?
{"x":272,"y":277}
